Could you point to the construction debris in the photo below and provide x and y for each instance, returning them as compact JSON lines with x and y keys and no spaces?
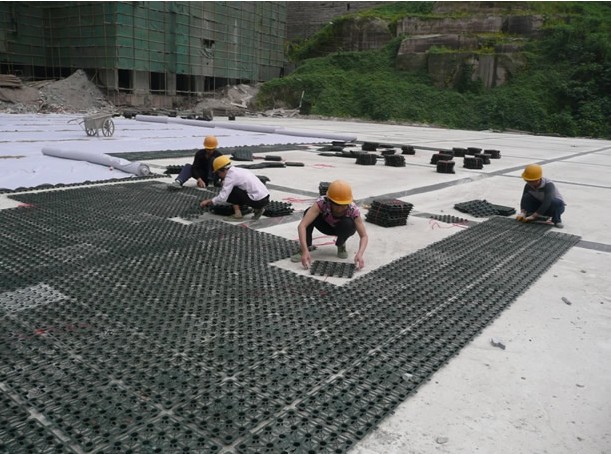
{"x":8,"y":80}
{"x":495,"y":342}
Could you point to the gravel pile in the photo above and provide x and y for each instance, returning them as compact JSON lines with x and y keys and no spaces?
{"x":75,"y":94}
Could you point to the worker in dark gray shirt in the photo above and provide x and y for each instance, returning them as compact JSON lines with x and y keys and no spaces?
{"x":201,"y":169}
{"x":541,"y":198}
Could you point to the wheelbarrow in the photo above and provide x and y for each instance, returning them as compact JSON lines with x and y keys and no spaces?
{"x":93,"y":124}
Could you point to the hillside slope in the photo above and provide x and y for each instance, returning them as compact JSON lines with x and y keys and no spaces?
{"x":540,"y":67}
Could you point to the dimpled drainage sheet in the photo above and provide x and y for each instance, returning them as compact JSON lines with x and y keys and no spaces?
{"x":123,"y":331}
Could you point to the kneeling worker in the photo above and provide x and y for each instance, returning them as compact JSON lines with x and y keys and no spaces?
{"x":201,"y":169}
{"x":240,"y":187}
{"x":541,"y":198}
{"x":333,"y":214}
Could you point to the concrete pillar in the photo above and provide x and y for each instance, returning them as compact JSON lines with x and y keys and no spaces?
{"x":199,"y":83}
{"x":171,"y":84}
{"x":109,"y":78}
{"x":141,"y":83}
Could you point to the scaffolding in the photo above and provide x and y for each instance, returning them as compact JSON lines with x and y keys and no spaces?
{"x":168,"y":48}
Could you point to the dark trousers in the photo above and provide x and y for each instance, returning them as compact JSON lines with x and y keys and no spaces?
{"x":530,"y":205}
{"x":240,"y":197}
{"x":342,"y":230}
{"x":187,"y":172}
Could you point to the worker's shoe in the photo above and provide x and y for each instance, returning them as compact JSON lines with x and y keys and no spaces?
{"x":342,"y":254}
{"x":234,"y":218}
{"x":175,"y":186}
{"x":297,"y":257}
{"x":257,"y":212}
{"x":559,"y":225}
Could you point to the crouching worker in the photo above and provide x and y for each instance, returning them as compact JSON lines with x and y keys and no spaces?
{"x":239,"y":187}
{"x":541,"y":199}
{"x":333,"y":214}
{"x":201,"y":169}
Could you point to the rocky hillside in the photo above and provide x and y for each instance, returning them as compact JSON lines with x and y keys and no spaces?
{"x":489,"y":37}
{"x":542,"y":67}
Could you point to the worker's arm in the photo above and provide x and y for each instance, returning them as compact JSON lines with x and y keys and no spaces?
{"x":308,"y":219}
{"x":230,"y":180}
{"x":363,"y":242}
{"x":198,"y":168}
{"x":549,"y":193}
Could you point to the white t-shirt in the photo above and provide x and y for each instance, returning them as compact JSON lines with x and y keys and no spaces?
{"x":243,"y":179}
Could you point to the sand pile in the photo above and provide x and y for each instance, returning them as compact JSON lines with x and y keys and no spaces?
{"x":75,"y":94}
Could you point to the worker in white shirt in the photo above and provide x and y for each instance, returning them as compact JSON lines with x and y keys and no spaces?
{"x":240,"y":187}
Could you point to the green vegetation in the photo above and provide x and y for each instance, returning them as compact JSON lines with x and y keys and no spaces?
{"x":564,"y":88}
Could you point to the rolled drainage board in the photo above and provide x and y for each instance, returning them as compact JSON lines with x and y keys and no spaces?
{"x":114,"y":292}
{"x":338,"y":269}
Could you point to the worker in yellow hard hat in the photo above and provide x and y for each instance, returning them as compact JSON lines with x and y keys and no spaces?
{"x":333,"y":214}
{"x":201,"y":169}
{"x":240,"y":187}
{"x":541,"y":200}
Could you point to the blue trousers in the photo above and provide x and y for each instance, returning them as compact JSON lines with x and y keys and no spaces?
{"x":530,"y":205}
{"x":187,"y":172}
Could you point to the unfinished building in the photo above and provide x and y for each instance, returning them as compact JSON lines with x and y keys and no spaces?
{"x":145,"y":52}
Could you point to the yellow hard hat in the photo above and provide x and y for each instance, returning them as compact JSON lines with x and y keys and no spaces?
{"x":220,"y":162}
{"x":210,"y":142}
{"x":533,"y":172}
{"x":340,"y":192}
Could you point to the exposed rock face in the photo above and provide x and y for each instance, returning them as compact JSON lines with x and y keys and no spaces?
{"x":523,"y":25}
{"x":491,"y":69}
{"x":418,"y":26}
{"x":306,"y":18}
{"x":423,"y":43}
{"x":461,"y":35}
{"x":513,"y":25}
{"x":460,"y":46}
{"x":364,"y":34}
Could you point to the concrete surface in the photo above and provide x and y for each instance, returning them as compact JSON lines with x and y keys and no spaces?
{"x":548,"y":391}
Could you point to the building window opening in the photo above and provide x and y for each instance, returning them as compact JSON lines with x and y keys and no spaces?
{"x":208,"y":48}
{"x":124,"y":81}
{"x":158,"y":82}
{"x":185,"y":83}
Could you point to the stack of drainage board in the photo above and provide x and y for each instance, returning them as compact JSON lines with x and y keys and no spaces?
{"x":476,"y":158}
{"x":387,"y":152}
{"x":408,"y":149}
{"x":366,"y":159}
{"x":323,"y":186}
{"x":388,"y":212}
{"x":276,"y":209}
{"x":444,"y":161}
{"x":395,"y":160}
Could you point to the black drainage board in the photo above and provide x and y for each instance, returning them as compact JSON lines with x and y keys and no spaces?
{"x":338,"y":269}
{"x":125,"y":330}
